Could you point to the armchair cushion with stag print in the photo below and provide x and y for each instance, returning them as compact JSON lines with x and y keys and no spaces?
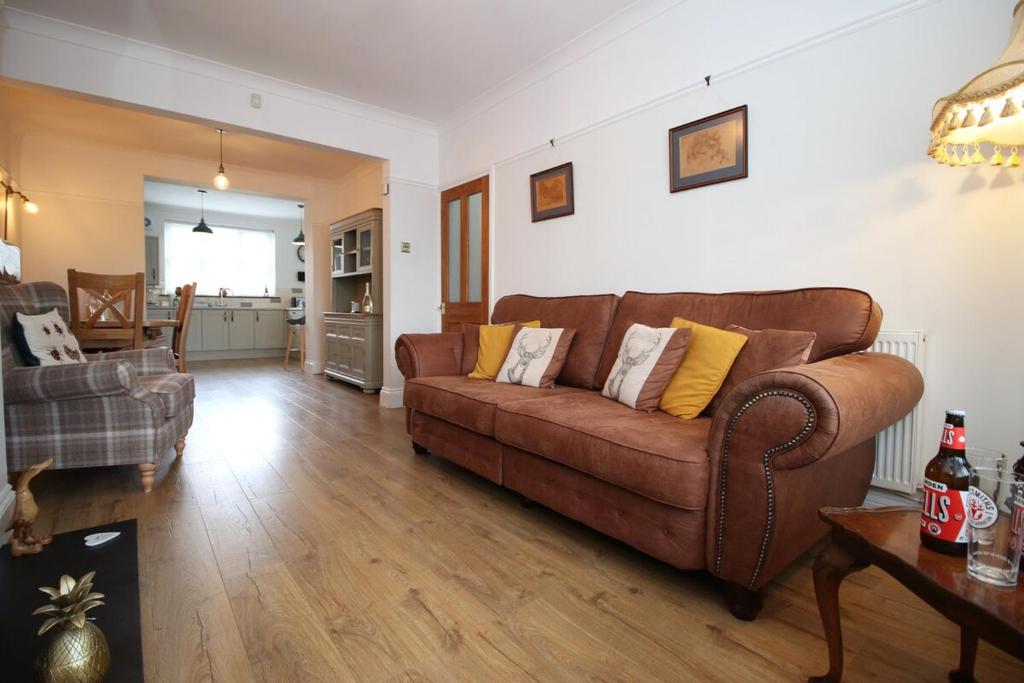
{"x":45,"y":339}
{"x":648,"y":358}
{"x":537,"y":356}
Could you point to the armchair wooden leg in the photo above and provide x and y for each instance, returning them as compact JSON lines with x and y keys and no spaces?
{"x":179,"y":445}
{"x":147,"y":470}
{"x":418,"y":449}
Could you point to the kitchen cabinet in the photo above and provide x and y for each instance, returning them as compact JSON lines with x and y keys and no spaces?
{"x":241,"y":330}
{"x":354,"y":347}
{"x":215,"y":330}
{"x":270,"y":330}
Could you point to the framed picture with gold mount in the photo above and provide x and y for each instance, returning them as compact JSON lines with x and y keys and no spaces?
{"x":709,"y":150}
{"x":551,"y":194}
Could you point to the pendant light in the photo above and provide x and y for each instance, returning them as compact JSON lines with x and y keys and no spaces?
{"x":201,"y":226}
{"x":987,"y":111}
{"x":301,"y":237}
{"x":220,"y":181}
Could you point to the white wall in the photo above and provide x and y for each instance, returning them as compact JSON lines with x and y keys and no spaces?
{"x":287,"y":263}
{"x":840,"y":190}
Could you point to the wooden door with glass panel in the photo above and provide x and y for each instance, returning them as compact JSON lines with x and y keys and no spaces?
{"x":465,"y":265}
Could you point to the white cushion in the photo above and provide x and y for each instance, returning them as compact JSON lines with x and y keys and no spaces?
{"x":44,"y":339}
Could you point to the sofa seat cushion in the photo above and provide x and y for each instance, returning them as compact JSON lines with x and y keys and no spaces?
{"x":467,"y":402}
{"x":653,"y":454}
{"x":175,"y":390}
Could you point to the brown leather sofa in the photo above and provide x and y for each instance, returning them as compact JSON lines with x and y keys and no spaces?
{"x":736,"y":492}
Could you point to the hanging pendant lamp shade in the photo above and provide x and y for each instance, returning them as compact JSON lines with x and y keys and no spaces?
{"x":988,"y":110}
{"x":220,"y":181}
{"x":201,"y":226}
{"x":301,"y":237}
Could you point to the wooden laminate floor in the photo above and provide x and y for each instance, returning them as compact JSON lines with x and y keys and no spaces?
{"x":299,"y":539}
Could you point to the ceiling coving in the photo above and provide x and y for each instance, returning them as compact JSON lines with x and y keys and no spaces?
{"x":422,"y":59}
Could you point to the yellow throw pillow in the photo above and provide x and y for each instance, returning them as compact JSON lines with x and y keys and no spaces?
{"x":495,"y":341}
{"x":709,"y":356}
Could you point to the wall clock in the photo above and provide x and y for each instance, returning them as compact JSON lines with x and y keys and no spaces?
{"x":301,"y":252}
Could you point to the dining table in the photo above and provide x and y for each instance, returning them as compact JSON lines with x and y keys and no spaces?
{"x":152,"y":336}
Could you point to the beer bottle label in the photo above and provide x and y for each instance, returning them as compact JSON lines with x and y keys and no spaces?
{"x":944,"y":512}
{"x":953,"y":437}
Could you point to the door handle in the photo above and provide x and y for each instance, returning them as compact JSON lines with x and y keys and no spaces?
{"x":441,"y":308}
{"x":225,"y":316}
{"x":232,"y":316}
{"x":257,"y":316}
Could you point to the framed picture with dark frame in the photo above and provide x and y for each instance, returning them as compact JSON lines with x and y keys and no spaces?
{"x":708,"y":151}
{"x":551,"y":193}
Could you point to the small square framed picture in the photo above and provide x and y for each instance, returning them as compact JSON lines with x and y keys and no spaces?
{"x":551,"y":193}
{"x":709,"y":150}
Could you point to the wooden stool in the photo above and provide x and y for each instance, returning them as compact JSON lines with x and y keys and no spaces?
{"x":292,"y":324}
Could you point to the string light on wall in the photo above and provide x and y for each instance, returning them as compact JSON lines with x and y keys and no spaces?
{"x":988,"y":111}
{"x":27,"y":204}
{"x":220,"y":181}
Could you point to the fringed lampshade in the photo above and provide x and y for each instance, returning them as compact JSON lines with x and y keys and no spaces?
{"x":988,"y":111}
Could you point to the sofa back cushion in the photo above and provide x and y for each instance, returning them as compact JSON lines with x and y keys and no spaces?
{"x":590,"y":315}
{"x":32,"y":298}
{"x":843,"y":320}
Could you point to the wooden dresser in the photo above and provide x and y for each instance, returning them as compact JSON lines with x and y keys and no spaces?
{"x":353,"y":353}
{"x":354,"y":349}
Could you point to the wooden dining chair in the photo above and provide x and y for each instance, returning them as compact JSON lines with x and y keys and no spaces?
{"x":113,"y":312}
{"x":179,"y":341}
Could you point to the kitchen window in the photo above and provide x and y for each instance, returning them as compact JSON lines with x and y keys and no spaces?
{"x":239,"y":259}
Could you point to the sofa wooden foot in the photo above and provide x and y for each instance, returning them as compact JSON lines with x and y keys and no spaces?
{"x":418,"y":449}
{"x":744,"y":603}
{"x":179,"y":446}
{"x":147,"y":470}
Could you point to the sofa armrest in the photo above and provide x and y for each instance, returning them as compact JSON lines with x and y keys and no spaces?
{"x":429,"y":355}
{"x":155,"y":361}
{"x":787,"y":442}
{"x":69,"y":382}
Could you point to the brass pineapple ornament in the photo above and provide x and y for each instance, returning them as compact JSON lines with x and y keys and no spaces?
{"x":78,"y":650}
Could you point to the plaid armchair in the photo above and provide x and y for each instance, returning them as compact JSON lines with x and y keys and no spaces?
{"x":122,"y":408}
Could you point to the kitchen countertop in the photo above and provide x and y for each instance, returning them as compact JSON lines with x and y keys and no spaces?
{"x":236,"y":307}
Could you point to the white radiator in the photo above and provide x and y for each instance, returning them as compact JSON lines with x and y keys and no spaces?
{"x":897,"y":463}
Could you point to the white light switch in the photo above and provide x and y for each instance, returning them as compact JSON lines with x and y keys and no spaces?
{"x":406,"y":247}
{"x":255,"y":100}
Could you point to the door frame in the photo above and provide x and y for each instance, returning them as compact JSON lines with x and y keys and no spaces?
{"x":463,"y":191}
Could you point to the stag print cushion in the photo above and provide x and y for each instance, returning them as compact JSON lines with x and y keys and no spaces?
{"x":648,"y":357}
{"x":44,"y":339}
{"x":492,"y":345}
{"x":709,"y":356}
{"x":537,"y":356}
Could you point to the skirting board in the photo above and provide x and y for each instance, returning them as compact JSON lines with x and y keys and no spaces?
{"x":391,"y":398}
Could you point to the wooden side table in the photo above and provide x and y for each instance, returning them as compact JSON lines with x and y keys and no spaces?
{"x":890,"y":539}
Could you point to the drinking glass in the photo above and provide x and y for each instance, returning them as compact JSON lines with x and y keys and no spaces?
{"x":995,"y":517}
{"x":986,"y":458}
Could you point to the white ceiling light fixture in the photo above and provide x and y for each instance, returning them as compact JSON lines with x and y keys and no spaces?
{"x":220,"y":181}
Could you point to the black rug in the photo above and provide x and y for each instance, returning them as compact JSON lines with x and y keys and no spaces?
{"x":117,"y":577}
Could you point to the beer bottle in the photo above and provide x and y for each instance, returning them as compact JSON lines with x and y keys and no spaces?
{"x":946,"y":480}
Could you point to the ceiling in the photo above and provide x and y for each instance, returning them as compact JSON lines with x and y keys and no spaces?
{"x":423,"y":58}
{"x":116,"y":125}
{"x":169,"y":194}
